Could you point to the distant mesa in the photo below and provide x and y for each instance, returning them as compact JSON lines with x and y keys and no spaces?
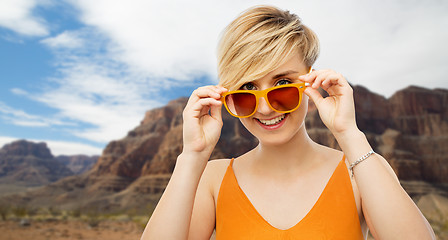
{"x":410,"y":129}
{"x":25,"y":164}
{"x":24,"y":148}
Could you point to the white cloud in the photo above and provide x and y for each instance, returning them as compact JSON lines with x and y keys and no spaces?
{"x":170,"y":39}
{"x":386,"y":45}
{"x":20,"y":92}
{"x":373,"y":43}
{"x":5,"y":140}
{"x":17,"y":16}
{"x":60,"y":147}
{"x":71,"y":148}
{"x":67,"y":39}
{"x":115,"y":67}
{"x":21,"y":118}
{"x":94,"y":89}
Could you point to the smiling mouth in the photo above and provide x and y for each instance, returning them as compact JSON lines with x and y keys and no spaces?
{"x":273,"y":121}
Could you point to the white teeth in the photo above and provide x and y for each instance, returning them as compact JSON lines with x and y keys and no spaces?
{"x":272,"y":121}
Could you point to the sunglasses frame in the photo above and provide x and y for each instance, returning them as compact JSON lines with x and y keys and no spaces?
{"x":264,"y":93}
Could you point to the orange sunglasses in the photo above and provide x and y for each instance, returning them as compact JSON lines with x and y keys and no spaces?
{"x":283,"y":99}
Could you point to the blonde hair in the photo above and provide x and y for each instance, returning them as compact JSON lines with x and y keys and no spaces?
{"x":260,"y":40}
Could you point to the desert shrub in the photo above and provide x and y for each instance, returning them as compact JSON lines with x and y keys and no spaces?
{"x":76,"y":213}
{"x":141,"y":222}
{"x":4,"y":211}
{"x":32,"y":211}
{"x":20,"y":211}
{"x":131,"y":213}
{"x":54,"y":212}
{"x":444,"y":226}
{"x":150,"y":207}
{"x":92,"y":217}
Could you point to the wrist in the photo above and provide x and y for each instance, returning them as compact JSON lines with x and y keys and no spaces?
{"x":354,"y":144}
{"x":191,"y":162}
{"x":349,"y":134}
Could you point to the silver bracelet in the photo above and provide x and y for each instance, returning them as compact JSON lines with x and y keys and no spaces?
{"x":364,"y":157}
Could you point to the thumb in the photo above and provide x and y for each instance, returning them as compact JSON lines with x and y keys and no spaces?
{"x":215,"y":112}
{"x":314,"y":95}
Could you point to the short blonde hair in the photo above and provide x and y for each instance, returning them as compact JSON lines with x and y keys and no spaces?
{"x":260,"y":40}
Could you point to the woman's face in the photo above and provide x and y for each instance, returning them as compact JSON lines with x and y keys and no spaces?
{"x":269,"y":126}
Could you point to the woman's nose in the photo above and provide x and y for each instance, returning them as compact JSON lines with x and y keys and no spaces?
{"x":263,"y":107}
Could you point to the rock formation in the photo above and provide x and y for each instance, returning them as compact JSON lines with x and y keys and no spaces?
{"x":29,"y":164}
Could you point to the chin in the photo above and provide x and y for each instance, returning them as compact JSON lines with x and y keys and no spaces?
{"x":274,"y":141}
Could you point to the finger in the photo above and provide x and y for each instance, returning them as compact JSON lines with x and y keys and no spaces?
{"x":331,"y":80}
{"x":202,"y":106}
{"x":309,"y":77}
{"x":205,"y":92}
{"x":314,"y":95}
{"x":215,"y":112}
{"x":312,"y":76}
{"x":209,"y":91}
{"x":335,"y":84}
{"x":322,"y":76}
{"x":223,"y":89}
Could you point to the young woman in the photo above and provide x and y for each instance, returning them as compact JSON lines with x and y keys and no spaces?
{"x":288,"y":187}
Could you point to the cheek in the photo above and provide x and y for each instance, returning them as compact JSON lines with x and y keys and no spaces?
{"x":250,"y":125}
{"x":244,"y":121}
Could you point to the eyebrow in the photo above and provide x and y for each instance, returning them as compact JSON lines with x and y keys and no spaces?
{"x":284,"y":74}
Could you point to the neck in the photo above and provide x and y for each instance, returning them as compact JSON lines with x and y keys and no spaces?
{"x":292,"y":156}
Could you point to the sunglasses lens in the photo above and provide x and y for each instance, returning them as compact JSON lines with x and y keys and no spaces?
{"x":284,"y":99}
{"x":241,"y":104}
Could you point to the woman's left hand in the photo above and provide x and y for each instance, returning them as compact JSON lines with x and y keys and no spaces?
{"x":337,"y":111}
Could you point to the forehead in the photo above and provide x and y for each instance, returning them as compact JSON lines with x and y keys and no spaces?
{"x":294,"y":64}
{"x":293,"y":67}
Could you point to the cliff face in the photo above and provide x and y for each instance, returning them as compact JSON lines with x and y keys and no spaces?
{"x":418,"y":111}
{"x":416,"y":141}
{"x":30,"y":164}
{"x":410,"y":129}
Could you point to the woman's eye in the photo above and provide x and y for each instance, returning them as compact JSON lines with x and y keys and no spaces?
{"x":283,"y":82}
{"x":248,"y":86}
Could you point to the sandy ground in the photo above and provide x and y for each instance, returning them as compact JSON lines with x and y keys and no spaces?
{"x":70,"y":229}
{"x":78,"y":230}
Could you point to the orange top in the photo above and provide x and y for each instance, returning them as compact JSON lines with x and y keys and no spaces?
{"x":333,"y":216}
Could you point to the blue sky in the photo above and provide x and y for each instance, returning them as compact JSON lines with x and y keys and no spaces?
{"x":78,"y":74}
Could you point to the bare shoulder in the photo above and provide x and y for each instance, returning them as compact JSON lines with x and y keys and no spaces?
{"x":218,"y":164}
{"x":216,"y":169}
{"x":214,"y":173}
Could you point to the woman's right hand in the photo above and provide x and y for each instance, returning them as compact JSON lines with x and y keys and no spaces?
{"x":201,"y":130}
{"x":202,"y":121}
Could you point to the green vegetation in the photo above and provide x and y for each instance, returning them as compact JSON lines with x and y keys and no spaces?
{"x":19,"y":211}
{"x":4,"y":211}
{"x":91,"y":216}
